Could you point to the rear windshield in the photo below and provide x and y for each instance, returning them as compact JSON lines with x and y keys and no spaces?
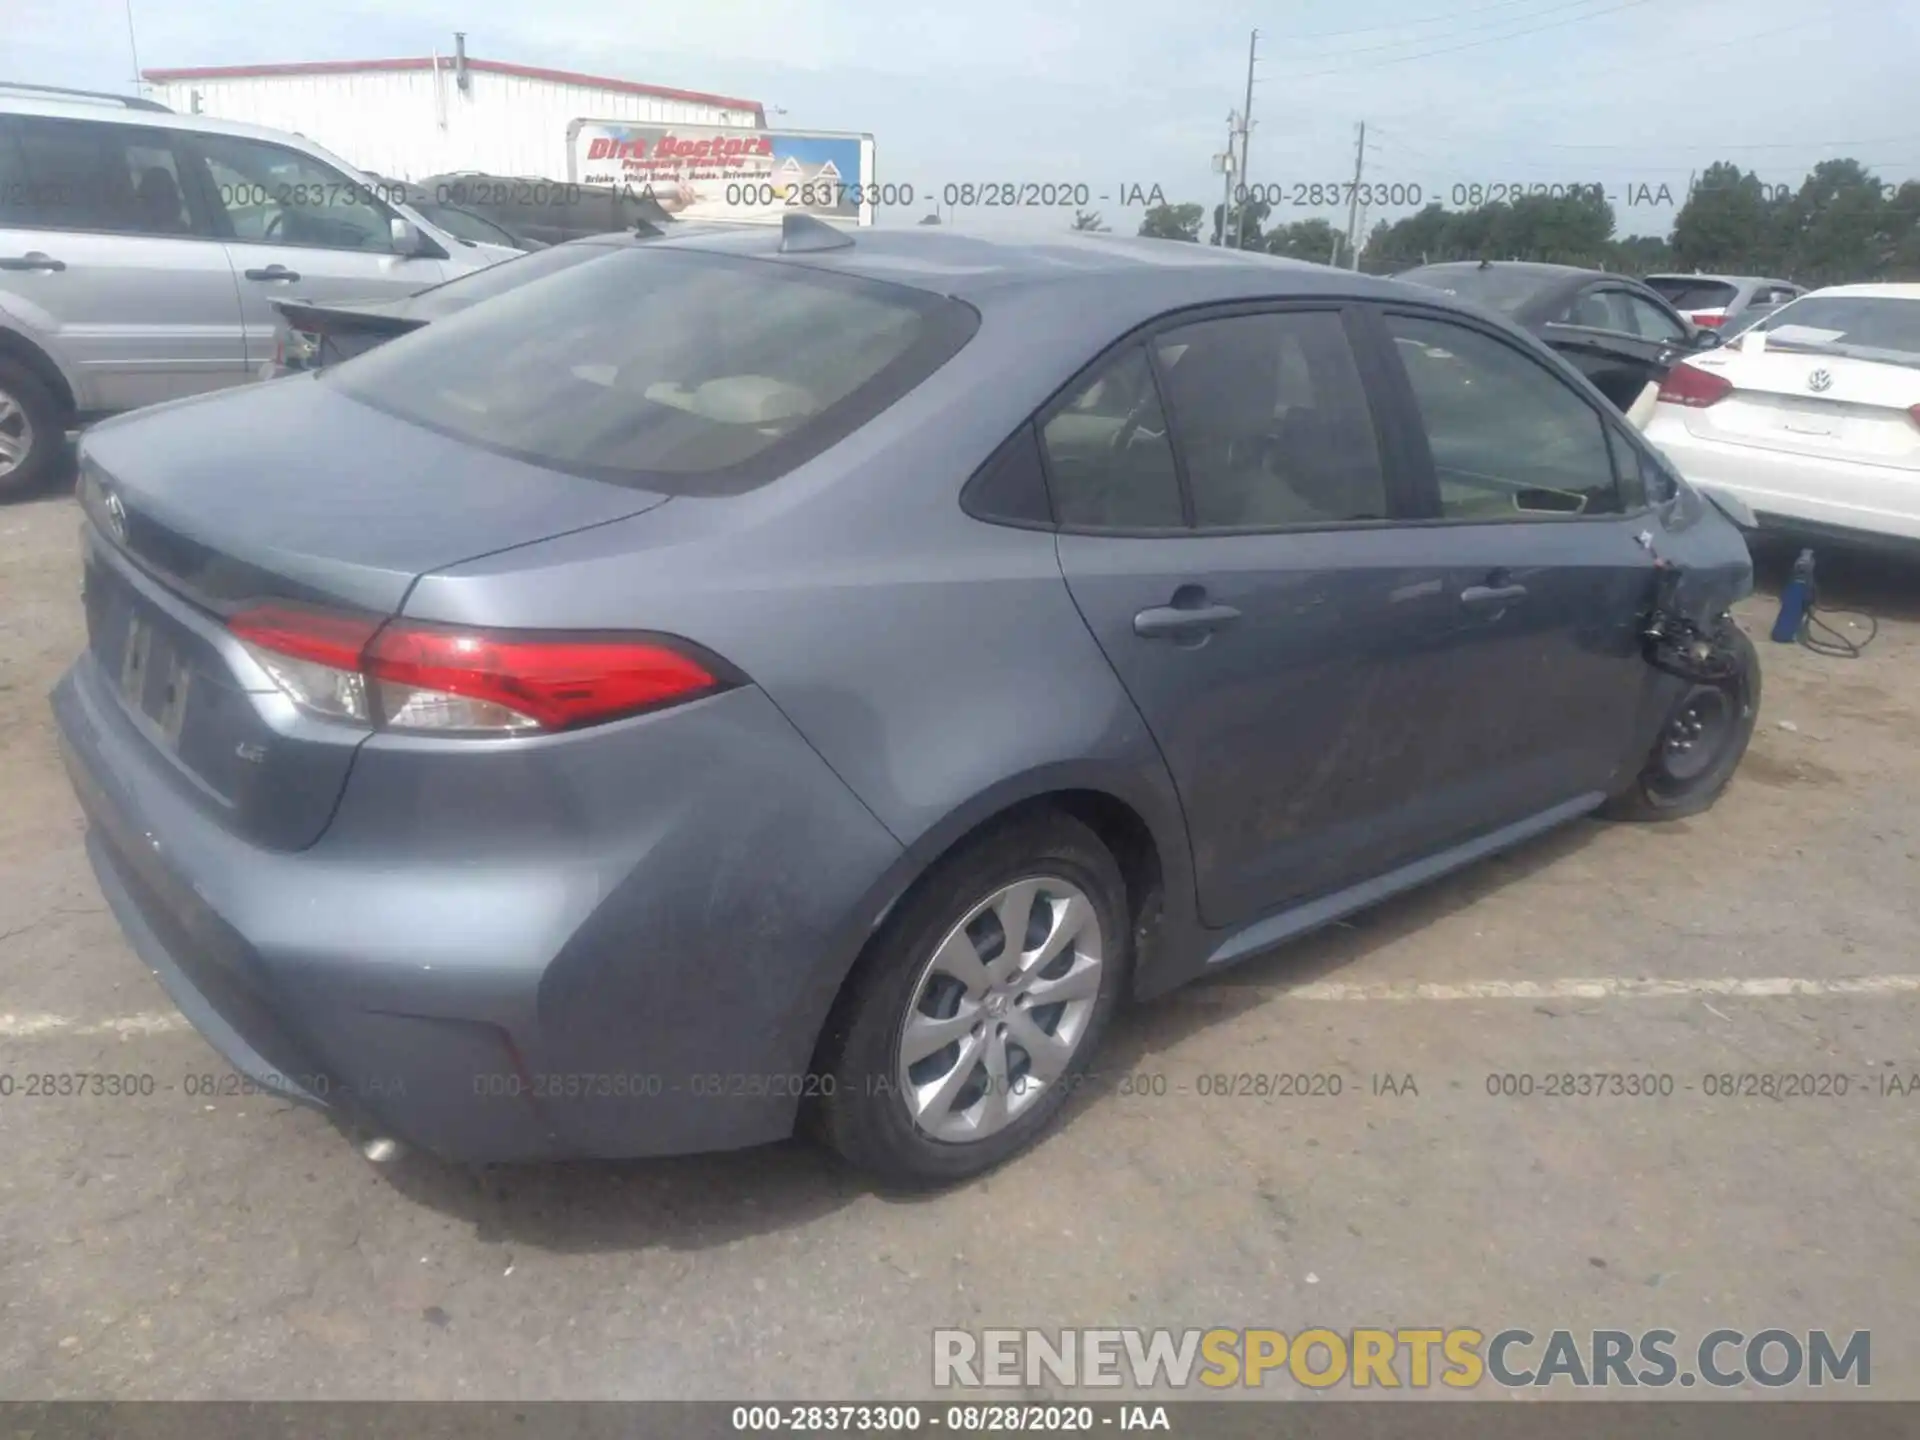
{"x":477,"y":285}
{"x":1688,"y":292}
{"x":1495,"y":287}
{"x":671,"y":370}
{"x":1847,"y":322}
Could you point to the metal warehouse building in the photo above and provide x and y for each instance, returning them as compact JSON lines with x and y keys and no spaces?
{"x":436,"y":114}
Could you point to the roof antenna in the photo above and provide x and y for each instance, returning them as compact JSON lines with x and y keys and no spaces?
{"x":802,"y":234}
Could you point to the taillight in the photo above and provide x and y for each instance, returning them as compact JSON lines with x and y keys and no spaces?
{"x":1693,"y":387}
{"x":401,"y":675}
{"x":1712,"y":320}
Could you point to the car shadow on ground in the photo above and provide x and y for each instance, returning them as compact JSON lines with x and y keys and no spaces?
{"x":696,"y":1202}
{"x":1146,"y":1033}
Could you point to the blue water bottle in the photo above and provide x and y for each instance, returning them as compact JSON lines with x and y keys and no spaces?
{"x":1793,"y":601}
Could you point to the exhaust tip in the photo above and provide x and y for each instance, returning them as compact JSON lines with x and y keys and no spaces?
{"x":381,"y":1150}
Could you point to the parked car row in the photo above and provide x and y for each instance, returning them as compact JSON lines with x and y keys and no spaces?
{"x":772,"y":678}
{"x":140,"y":251}
{"x":1804,"y":405}
{"x":1621,"y":334}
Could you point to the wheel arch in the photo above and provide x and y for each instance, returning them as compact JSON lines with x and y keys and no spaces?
{"x":1145,"y":833}
{"x":15,"y":346}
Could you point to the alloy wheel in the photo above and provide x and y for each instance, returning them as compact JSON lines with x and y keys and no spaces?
{"x":1000,"y":1009}
{"x":16,"y":435}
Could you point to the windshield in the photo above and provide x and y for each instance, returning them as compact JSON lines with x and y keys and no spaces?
{"x":1496,"y":287}
{"x":1843,"y":323}
{"x":1690,"y":292}
{"x":675,"y":370}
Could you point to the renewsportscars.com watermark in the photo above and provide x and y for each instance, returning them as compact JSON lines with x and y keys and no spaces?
{"x":1397,"y":1358}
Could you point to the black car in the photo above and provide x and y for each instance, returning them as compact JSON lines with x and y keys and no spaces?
{"x":1620,"y":333}
{"x":456,"y":220}
{"x":549,"y":211}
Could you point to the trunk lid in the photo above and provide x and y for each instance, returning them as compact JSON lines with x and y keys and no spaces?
{"x":287,"y":491}
{"x":1810,"y":403}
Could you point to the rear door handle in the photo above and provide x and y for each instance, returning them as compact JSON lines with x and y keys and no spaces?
{"x":273,"y":272}
{"x":1491,"y":597}
{"x":32,"y":260}
{"x":1177,"y":622}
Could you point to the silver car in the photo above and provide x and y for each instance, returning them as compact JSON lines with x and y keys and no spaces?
{"x":788,"y":677}
{"x":140,"y":251}
{"x":1724,"y":302}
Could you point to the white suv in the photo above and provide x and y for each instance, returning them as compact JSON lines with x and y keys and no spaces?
{"x":140,"y":250}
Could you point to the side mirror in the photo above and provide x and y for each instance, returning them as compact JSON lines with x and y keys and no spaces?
{"x":408,"y":238}
{"x":1707,"y":338}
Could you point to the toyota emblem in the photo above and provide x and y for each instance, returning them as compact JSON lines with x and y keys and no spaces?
{"x":1820,"y":381}
{"x":116,"y":517}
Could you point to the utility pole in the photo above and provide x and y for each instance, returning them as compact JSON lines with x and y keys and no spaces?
{"x":1246,"y":127}
{"x":1225,"y":163}
{"x":1353,"y":201}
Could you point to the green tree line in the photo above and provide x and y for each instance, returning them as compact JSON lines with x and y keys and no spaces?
{"x":1842,"y":224}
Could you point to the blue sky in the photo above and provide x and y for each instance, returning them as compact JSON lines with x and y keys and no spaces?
{"x":1630,"y":93}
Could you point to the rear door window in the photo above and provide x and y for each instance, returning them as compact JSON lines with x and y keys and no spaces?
{"x":1598,"y":310}
{"x":90,"y":176}
{"x":1272,"y":421}
{"x":673,"y":370}
{"x":1109,"y":460}
{"x":1646,"y":319}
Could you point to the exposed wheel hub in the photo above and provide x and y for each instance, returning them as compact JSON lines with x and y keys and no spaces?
{"x":1697,"y":735}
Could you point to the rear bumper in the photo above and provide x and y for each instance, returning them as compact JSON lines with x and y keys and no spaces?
{"x":619,"y":943}
{"x":1869,"y":500}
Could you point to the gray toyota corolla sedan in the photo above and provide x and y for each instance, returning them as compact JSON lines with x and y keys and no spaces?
{"x":812,"y":676}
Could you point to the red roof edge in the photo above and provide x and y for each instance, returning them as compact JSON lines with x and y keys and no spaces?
{"x":425,"y":62}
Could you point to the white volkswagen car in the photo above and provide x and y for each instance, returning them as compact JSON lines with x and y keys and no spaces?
{"x":1812,"y":417}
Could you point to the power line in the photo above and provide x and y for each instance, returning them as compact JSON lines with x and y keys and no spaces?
{"x":1464,"y":30}
{"x":1469,"y":45}
{"x":1404,"y":24}
{"x":1768,"y":145}
{"x":1637,"y":66}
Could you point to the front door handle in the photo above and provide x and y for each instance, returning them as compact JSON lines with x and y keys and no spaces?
{"x":32,"y":260}
{"x":1179,"y":622}
{"x":273,"y":272}
{"x":1491,"y":597}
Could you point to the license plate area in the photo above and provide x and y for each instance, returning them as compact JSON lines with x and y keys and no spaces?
{"x":154,"y":681}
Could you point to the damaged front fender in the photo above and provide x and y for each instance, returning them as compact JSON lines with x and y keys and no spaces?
{"x":1701,"y":567}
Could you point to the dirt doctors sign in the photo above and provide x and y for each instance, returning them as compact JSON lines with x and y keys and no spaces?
{"x":726,"y":172}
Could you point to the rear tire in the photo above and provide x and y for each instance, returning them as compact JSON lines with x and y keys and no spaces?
{"x":33,"y":430}
{"x":1699,"y":747}
{"x":884,"y":1112}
